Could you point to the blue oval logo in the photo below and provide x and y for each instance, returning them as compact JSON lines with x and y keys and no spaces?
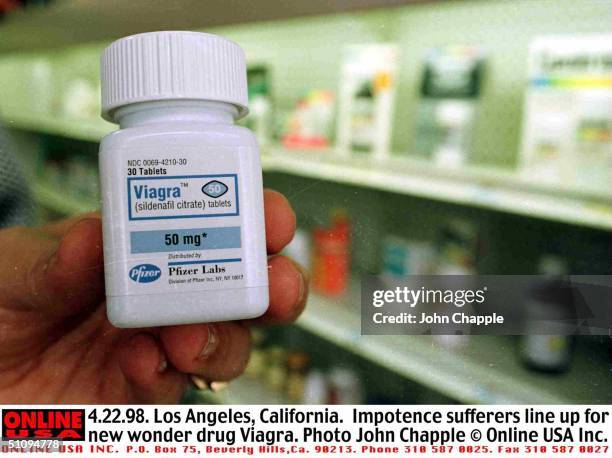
{"x":214,"y":189}
{"x":145,"y":273}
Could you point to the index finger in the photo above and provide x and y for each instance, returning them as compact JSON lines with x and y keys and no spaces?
{"x":280,"y":221}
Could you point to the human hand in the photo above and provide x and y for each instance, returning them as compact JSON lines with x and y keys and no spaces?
{"x":57,"y":346}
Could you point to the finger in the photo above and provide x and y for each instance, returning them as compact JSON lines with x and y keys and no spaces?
{"x":61,"y":227}
{"x":288,"y":291}
{"x":280,"y":221}
{"x":218,"y":351}
{"x":145,"y":368}
{"x":59,"y":278}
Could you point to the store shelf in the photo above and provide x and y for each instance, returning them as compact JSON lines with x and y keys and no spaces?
{"x":60,"y":202}
{"x":240,"y":391}
{"x":80,"y":129}
{"x":486,"y":370}
{"x":473,"y":186}
{"x":488,"y":188}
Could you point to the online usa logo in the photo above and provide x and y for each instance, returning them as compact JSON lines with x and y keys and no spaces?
{"x":145,"y":273}
{"x":64,"y":424}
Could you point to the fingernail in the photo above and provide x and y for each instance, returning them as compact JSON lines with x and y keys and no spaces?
{"x":163,"y":363}
{"x":303,"y":281}
{"x":212,"y":342}
{"x":199,"y":382}
{"x":302,"y":289}
{"x":215,"y":387}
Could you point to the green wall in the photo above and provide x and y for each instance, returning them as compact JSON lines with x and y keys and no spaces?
{"x":306,"y":52}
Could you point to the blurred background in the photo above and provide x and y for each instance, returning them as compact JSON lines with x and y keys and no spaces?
{"x":411,"y":137}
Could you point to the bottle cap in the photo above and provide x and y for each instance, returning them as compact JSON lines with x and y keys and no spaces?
{"x":173,"y":66}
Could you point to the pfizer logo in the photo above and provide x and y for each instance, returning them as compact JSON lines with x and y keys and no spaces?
{"x":145,"y":273}
{"x":214,"y":189}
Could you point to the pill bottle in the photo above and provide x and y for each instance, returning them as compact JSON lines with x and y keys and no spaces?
{"x":182,"y":198}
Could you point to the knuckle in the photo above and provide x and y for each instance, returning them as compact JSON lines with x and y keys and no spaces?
{"x":232,"y":355}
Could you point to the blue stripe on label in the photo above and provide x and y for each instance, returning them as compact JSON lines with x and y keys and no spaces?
{"x":207,"y":261}
{"x":213,"y":238}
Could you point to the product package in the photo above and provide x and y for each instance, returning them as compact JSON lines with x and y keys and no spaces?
{"x":403,"y":257}
{"x":81,"y":100}
{"x":458,"y":251}
{"x":567,"y":129}
{"x":331,"y":257}
{"x":259,"y":119}
{"x":458,"y":248}
{"x":366,"y":99}
{"x":450,"y":91}
{"x":309,"y":125}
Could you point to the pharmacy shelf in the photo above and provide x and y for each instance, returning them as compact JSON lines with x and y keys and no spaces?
{"x":481,"y":187}
{"x":486,"y":370}
{"x":243,"y":390}
{"x":61,"y":202}
{"x":80,"y":129}
{"x":488,"y":188}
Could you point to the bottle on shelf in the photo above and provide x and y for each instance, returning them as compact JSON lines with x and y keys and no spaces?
{"x":316,"y":388}
{"x":547,"y":344}
{"x":345,"y":387}
{"x":331,"y":256}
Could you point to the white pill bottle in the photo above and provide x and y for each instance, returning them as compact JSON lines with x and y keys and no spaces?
{"x":182,"y":197}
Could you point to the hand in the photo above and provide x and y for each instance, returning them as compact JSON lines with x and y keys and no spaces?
{"x":56,"y":345}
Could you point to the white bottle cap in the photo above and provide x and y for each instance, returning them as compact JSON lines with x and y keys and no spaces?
{"x":173,"y":66}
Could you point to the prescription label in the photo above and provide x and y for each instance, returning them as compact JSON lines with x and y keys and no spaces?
{"x":184,"y":221}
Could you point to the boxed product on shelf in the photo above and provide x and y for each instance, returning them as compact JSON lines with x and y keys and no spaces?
{"x":402,"y":257}
{"x":458,"y":248}
{"x":450,"y":94}
{"x":78,"y":86}
{"x":80,"y":100}
{"x":316,"y":388}
{"x":567,"y":128}
{"x":331,"y":257}
{"x":259,"y":119}
{"x":366,"y":99}
{"x":458,"y":251}
{"x":309,"y":124}
{"x":345,"y":386}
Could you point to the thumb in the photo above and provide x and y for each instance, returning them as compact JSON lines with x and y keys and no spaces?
{"x":55,"y":276}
